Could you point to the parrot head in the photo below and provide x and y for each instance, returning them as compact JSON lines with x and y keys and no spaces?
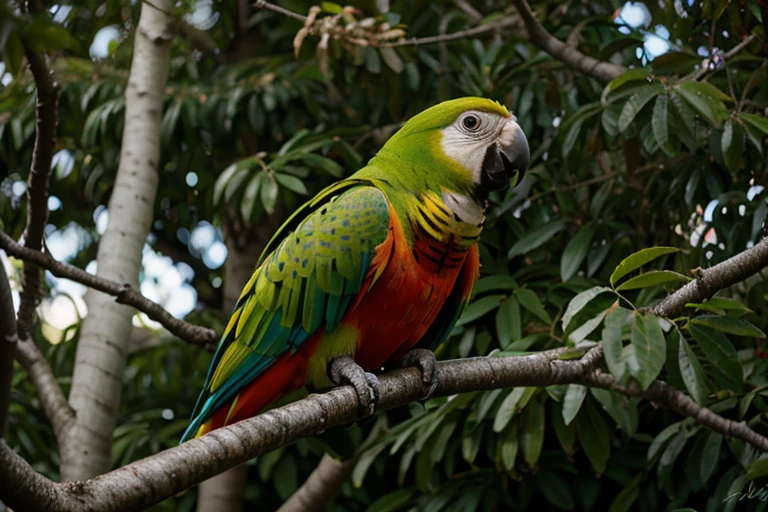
{"x":476,"y":142}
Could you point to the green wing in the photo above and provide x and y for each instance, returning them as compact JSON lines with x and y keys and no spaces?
{"x":314,"y":268}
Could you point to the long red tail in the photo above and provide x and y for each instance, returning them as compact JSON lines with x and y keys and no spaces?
{"x":285,"y":375}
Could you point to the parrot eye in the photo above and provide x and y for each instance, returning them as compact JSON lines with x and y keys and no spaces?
{"x":471,"y":122}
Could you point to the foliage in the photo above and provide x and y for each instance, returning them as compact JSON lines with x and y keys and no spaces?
{"x":631,"y":185}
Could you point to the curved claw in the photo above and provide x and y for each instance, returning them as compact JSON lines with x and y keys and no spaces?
{"x":426,"y":362}
{"x":344,"y":371}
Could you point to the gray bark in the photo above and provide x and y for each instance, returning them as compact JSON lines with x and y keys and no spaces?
{"x":101,"y":351}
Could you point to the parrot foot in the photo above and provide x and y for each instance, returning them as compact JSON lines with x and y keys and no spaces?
{"x":343,"y":370}
{"x":426,"y":362}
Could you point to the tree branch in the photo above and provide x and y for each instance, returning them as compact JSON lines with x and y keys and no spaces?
{"x":505,"y":22}
{"x":124,"y":293}
{"x":710,"y":281}
{"x":321,"y":486}
{"x":41,"y":374}
{"x":150,"y":480}
{"x":46,"y":117}
{"x":571,"y":57}
{"x":672,"y":399}
{"x":710,"y":66}
{"x":8,"y":340}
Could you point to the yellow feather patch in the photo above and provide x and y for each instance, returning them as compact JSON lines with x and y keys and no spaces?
{"x":232,"y":409}
{"x":231,"y":359}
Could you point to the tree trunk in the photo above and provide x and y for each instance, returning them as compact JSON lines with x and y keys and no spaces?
{"x":224,"y":492}
{"x":102,"y":349}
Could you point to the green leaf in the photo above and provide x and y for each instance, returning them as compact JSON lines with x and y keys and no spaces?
{"x":508,"y":322}
{"x":576,"y":251}
{"x":571,"y":136}
{"x":555,"y":490}
{"x":622,"y":410}
{"x":652,"y":278}
{"x":292,"y":183}
{"x":660,"y":120}
{"x":707,"y":90}
{"x":758,"y":469}
{"x":530,"y":301}
{"x":248,"y":201}
{"x":581,"y":300}
{"x":536,"y":238}
{"x":515,"y":402}
{"x":566,"y":434}
{"x":650,"y":348}
{"x":392,"y":59}
{"x":508,"y":446}
{"x":479,"y":308}
{"x":629,"y":76}
{"x":574,"y":397}
{"x":627,"y":496}
{"x":636,"y":103}
{"x":324,"y":163}
{"x":594,"y":436}
{"x":732,"y":144}
{"x":730,"y":325}
{"x":584,"y":330}
{"x":692,"y":373}
{"x":638,"y":259}
{"x":394,"y":500}
{"x":709,"y":106}
{"x":532,"y":432}
{"x":613,"y":347}
{"x":269,"y":190}
{"x":710,"y":455}
{"x":719,"y":303}
{"x":661,"y":440}
{"x":756,"y":121}
{"x":719,"y":351}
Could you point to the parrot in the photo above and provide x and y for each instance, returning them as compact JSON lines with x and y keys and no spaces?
{"x":376,"y":269}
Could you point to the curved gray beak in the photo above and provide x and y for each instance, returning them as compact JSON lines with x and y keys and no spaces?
{"x":507,"y":158}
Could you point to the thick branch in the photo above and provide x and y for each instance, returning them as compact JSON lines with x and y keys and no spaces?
{"x":124,"y":293}
{"x":46,"y":117}
{"x":321,"y":486}
{"x":150,"y":480}
{"x":54,"y":402}
{"x":670,"y":398}
{"x":710,"y":281}
{"x":8,"y":340}
{"x":571,"y":57}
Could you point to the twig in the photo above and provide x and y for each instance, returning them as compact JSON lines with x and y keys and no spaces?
{"x":571,"y":57}
{"x":124,"y":293}
{"x":710,"y":281}
{"x":665,"y":395}
{"x":261,"y":4}
{"x":469,"y":10}
{"x":54,"y":402}
{"x":8,"y":339}
{"x":506,"y":22}
{"x":607,"y":176}
{"x":46,"y":117}
{"x":701,"y":73}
